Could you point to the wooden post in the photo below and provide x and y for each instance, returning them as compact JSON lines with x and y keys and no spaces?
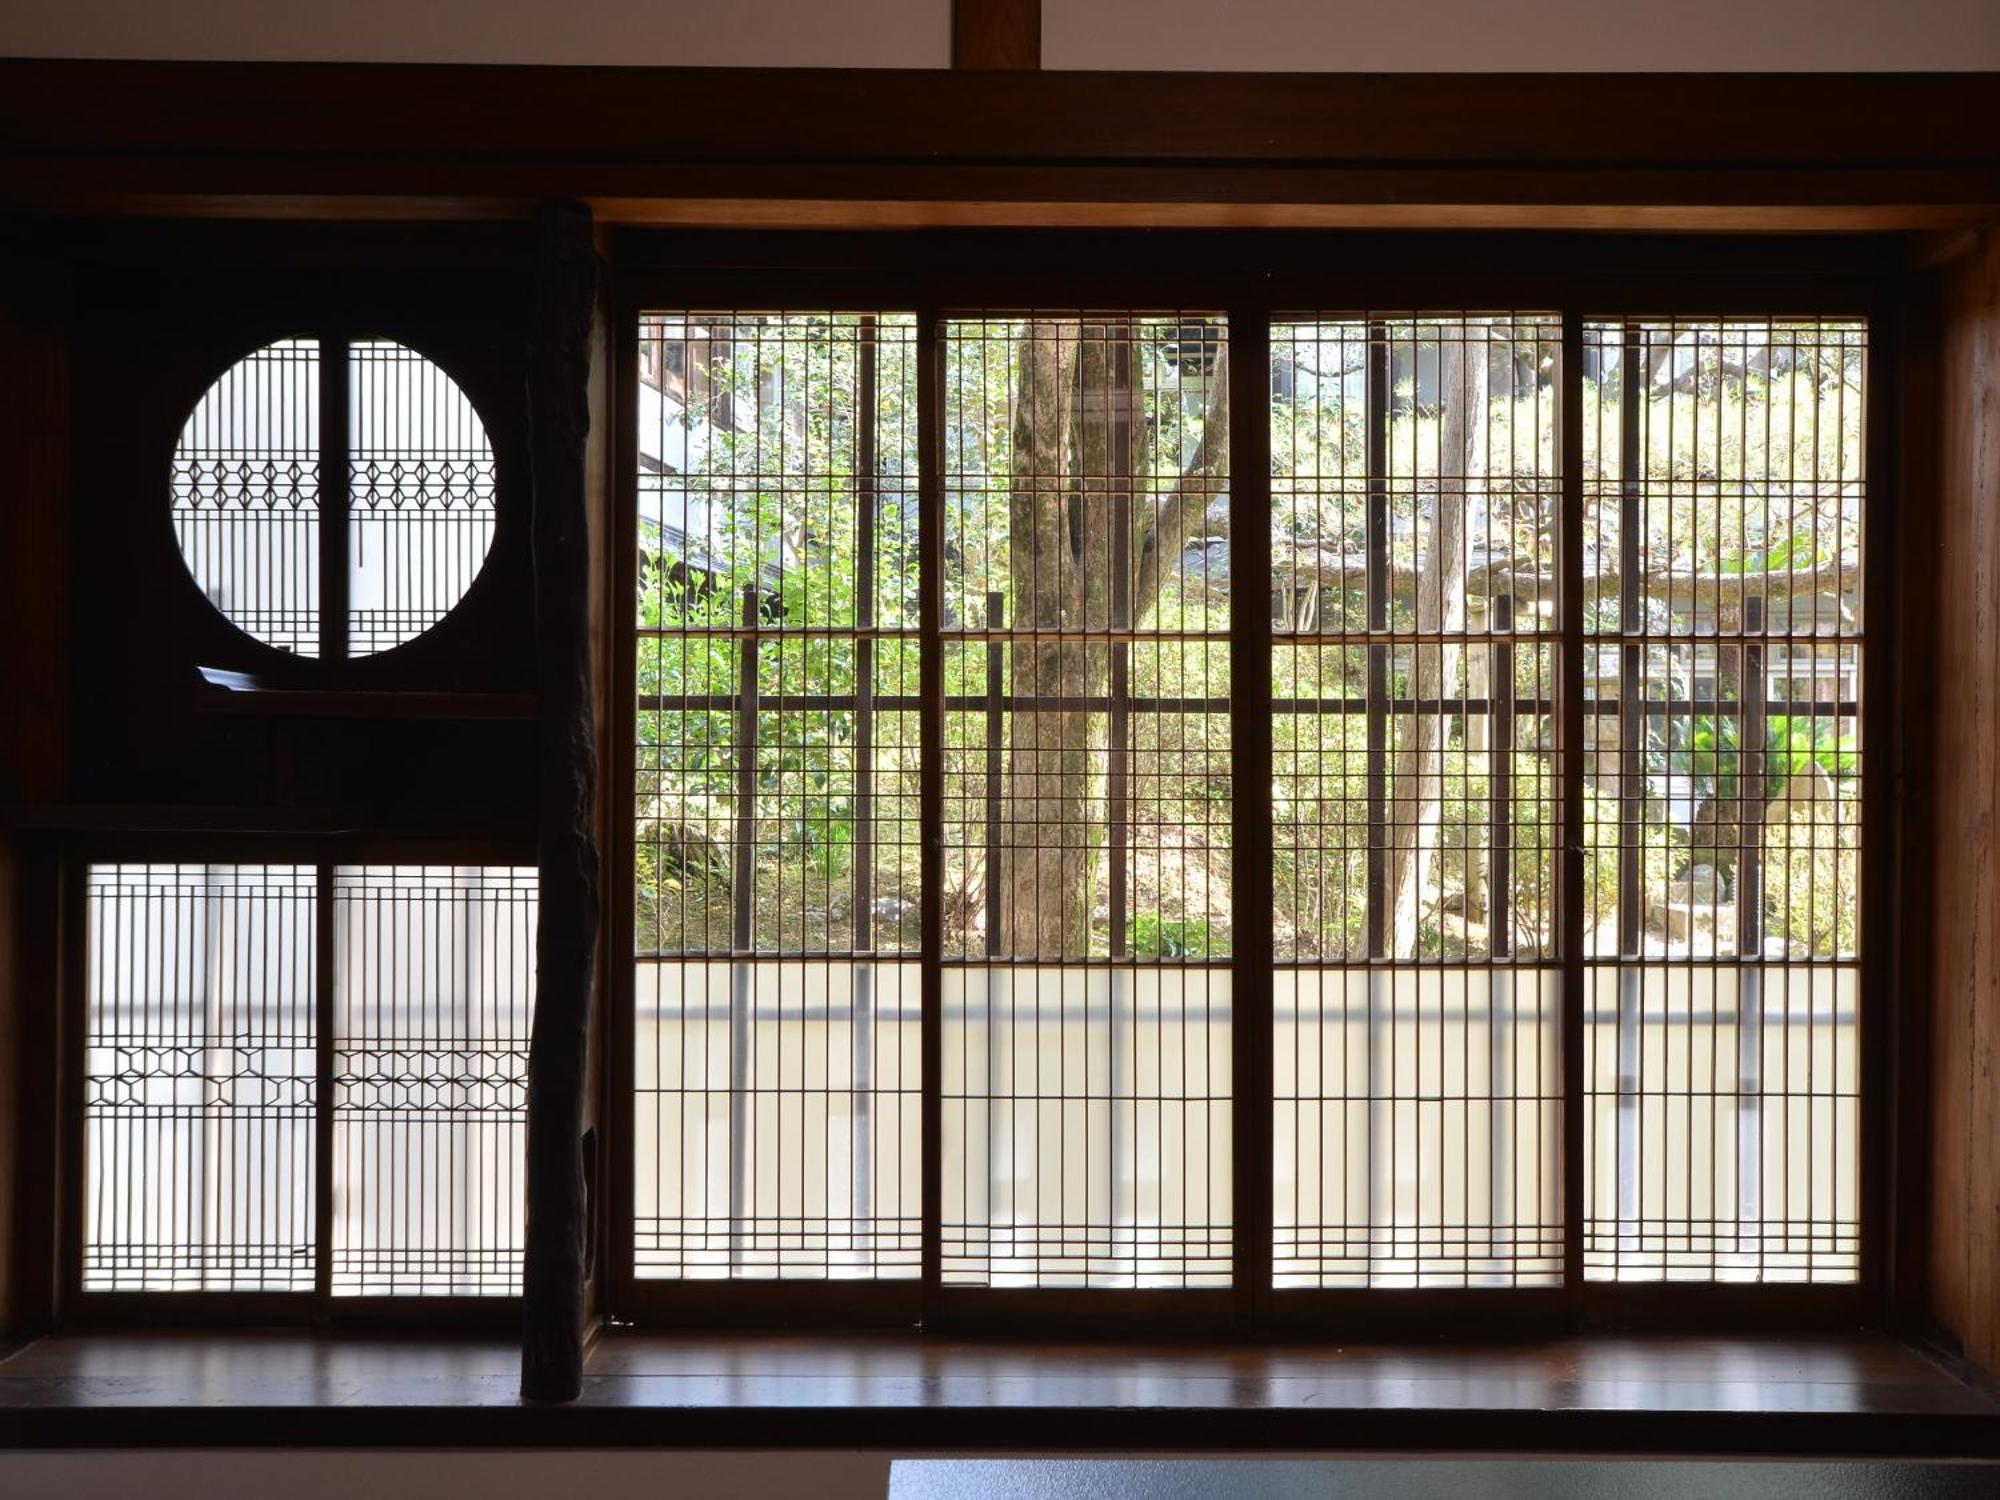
{"x":559,"y":360}
{"x":1251,"y":935}
{"x":1002,"y":34}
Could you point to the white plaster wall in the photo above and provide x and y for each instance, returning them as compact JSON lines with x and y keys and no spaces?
{"x":1217,"y":35}
{"x":655,"y":33}
{"x":1529,"y":36}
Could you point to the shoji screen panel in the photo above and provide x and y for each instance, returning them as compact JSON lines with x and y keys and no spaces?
{"x":1725,"y":500}
{"x":1417,"y":1134}
{"x":200,"y":1078}
{"x":1088,"y":1130}
{"x":777,"y":1034}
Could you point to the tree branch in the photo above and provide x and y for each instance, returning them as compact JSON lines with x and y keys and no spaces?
{"x":1160,"y":548}
{"x":1311,"y":560}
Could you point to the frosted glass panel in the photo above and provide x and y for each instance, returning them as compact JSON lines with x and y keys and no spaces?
{"x":1087,"y":1127}
{"x":1417,"y":1133}
{"x":1723,"y":1116}
{"x":777,"y":1120}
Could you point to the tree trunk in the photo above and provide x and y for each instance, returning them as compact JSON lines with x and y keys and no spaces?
{"x":1417,"y":774}
{"x":1045,"y":891}
{"x":1045,"y":859}
{"x":1070,"y":391}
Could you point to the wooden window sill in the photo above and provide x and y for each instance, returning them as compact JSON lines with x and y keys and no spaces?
{"x":1850,"y":1395}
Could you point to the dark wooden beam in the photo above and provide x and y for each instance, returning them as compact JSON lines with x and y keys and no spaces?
{"x":1763,"y":151}
{"x":559,"y":372}
{"x":996,"y":33}
{"x":436,"y":115}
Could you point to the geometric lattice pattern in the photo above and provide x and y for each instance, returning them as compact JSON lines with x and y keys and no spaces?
{"x":209,"y":1077}
{"x":777,"y":1104}
{"x":277,"y":500}
{"x":1088,"y":1018}
{"x":247,"y":495}
{"x":1724,"y":510}
{"x":199,"y":1079}
{"x":1417,"y":1062}
{"x":434,"y":990}
{"x":420,"y":495}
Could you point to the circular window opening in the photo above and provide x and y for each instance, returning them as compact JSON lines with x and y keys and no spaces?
{"x":334,"y":498}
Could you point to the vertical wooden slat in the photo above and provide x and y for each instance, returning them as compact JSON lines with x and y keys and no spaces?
{"x":556,"y":1266}
{"x":1117,"y":780}
{"x":1569,"y":558}
{"x":743,"y":924}
{"x":1632,"y":691}
{"x":1500,"y":1066}
{"x":1381,"y":1034}
{"x":1752,"y":689}
{"x":1376,"y":541}
{"x":1631,"y":624}
{"x":1500,"y":706}
{"x":335,"y":496}
{"x":996,"y":744}
{"x":865,"y":463}
{"x":1250,"y":875}
{"x":861,"y":1042}
{"x":323,"y":1073}
{"x":930,"y":790}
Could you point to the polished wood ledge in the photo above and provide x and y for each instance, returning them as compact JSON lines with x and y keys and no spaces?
{"x":1801,"y":1396}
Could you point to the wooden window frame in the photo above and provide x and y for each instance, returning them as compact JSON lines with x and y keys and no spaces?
{"x":1256,"y":279}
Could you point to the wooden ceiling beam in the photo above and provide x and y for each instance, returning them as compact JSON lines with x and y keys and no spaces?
{"x":1001,"y":146}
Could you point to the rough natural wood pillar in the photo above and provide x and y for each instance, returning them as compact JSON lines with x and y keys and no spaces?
{"x":1962,"y":573}
{"x":559,"y":364}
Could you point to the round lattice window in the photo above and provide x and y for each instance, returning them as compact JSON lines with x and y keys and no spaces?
{"x":334,"y":498}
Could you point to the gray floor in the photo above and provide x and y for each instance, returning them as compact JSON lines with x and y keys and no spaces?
{"x":1361,"y":1479}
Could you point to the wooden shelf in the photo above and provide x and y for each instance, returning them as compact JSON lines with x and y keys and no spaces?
{"x":144,"y":817}
{"x":225,"y":692}
{"x":114,"y":818}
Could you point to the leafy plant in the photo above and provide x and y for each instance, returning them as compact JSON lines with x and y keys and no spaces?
{"x":1156,"y":937}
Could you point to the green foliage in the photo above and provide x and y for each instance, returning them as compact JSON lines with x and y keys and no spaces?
{"x":1738,"y":438}
{"x":1155,"y":937}
{"x":1799,"y":744}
